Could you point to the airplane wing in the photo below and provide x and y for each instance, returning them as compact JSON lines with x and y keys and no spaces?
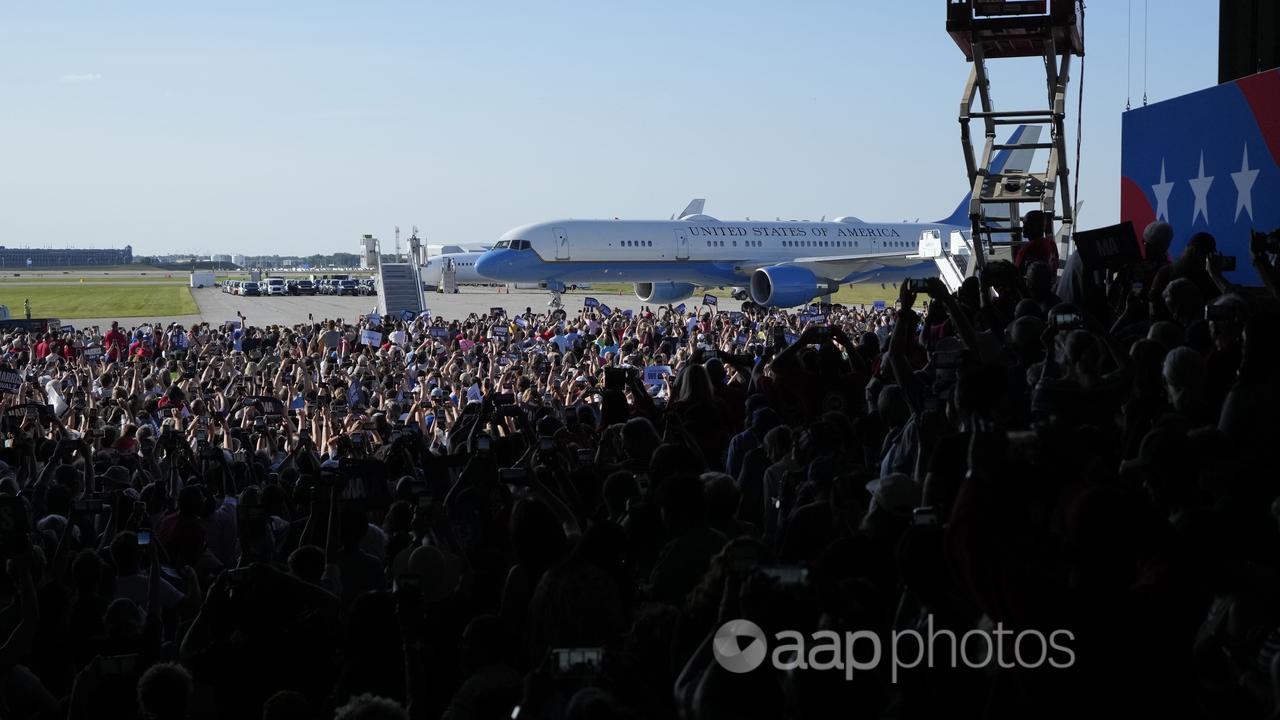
{"x":838,"y":267}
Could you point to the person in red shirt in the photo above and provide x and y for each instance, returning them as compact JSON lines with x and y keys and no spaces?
{"x":139,"y":350}
{"x":114,"y":343}
{"x":1040,"y":245}
{"x":42,"y":347}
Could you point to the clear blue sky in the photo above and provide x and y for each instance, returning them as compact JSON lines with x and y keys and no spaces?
{"x":295,"y":127}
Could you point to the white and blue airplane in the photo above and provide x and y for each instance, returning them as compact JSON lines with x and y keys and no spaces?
{"x":464,"y":265}
{"x":775,"y":264}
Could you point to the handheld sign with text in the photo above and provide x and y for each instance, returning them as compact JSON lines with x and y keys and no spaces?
{"x":496,"y":312}
{"x":521,"y":322}
{"x":68,"y":329}
{"x":605,"y":310}
{"x":590,"y":302}
{"x":878,"y":304}
{"x":680,"y":308}
{"x":10,"y":381}
{"x":439,"y":332}
{"x":93,"y":353}
{"x":653,"y":374}
{"x":371,"y":337}
{"x":627,"y":314}
{"x":268,"y":405}
{"x":406,"y":315}
{"x":373,"y":318}
{"x":710,"y":299}
{"x":500,"y":331}
{"x":1108,"y":248}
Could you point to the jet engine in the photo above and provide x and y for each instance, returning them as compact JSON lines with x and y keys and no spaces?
{"x":787,"y":286}
{"x":664,"y":292}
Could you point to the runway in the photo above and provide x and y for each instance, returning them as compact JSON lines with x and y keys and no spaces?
{"x":217,"y":307}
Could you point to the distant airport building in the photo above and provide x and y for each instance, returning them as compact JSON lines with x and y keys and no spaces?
{"x":220,"y":258}
{"x":237,"y":260}
{"x":63,"y":257}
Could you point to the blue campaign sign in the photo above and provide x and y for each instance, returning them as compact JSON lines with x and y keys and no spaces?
{"x":710,"y":299}
{"x":590,"y":302}
{"x":879,"y":305}
{"x":604,"y":310}
{"x":439,"y":332}
{"x":680,"y":308}
{"x":627,"y":314}
{"x":406,"y":315}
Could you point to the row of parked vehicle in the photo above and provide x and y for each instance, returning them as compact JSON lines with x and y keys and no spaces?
{"x":282,"y":286}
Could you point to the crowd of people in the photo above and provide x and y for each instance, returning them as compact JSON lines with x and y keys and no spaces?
{"x":550,"y":515}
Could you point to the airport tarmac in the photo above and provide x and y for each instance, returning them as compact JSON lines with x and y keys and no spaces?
{"x":217,"y":307}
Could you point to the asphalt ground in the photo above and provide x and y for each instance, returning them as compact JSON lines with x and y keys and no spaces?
{"x":217,"y":307}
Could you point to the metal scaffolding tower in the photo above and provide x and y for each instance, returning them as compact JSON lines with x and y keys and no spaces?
{"x":1051,"y":30}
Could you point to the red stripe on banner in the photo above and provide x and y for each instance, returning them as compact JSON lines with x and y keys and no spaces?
{"x":1136,"y":208}
{"x":1262,"y":91}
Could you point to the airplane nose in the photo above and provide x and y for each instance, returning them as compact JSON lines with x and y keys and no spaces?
{"x":487,"y":262}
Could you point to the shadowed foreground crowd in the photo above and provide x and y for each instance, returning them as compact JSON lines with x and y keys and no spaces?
{"x":557,"y":513}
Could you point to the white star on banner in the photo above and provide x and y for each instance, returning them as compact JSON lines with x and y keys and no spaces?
{"x":1244,"y":185}
{"x":1200,"y":186}
{"x":1162,"y":190}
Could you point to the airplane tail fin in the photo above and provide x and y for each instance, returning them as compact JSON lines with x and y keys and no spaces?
{"x":693,"y":208}
{"x":1004,"y":161}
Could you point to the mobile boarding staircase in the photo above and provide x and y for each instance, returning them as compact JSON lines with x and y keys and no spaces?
{"x":1053,"y":31}
{"x":399,"y":288}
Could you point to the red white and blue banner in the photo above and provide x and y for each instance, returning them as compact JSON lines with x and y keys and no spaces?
{"x":1209,"y":162}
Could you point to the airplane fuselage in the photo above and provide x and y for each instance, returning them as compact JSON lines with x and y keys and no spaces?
{"x":464,"y":264}
{"x":699,"y":250}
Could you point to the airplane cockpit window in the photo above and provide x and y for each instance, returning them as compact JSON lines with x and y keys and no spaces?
{"x":502,"y":245}
{"x":520,"y":245}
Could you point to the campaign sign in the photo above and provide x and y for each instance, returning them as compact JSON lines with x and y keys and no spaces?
{"x":653,"y":374}
{"x":93,"y":352}
{"x":500,"y":331}
{"x":710,"y":299}
{"x":10,"y":381}
{"x":371,"y":337}
{"x":439,"y":332}
{"x":590,"y":302}
{"x":879,"y":304}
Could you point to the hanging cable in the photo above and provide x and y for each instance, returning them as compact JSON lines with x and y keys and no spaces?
{"x":1075,"y":192}
{"x":1128,"y":61}
{"x":1144,"y":16}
